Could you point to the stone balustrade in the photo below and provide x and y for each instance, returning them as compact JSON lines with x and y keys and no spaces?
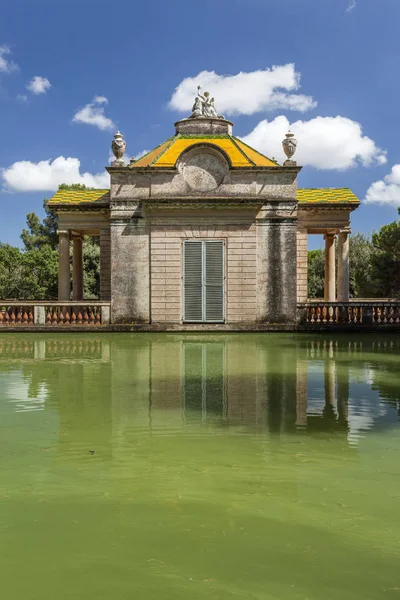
{"x":372,"y":313}
{"x":48,"y":314}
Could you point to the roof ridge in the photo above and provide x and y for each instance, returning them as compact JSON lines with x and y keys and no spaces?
{"x":254,"y":150}
{"x":167,"y":147}
{"x":153,"y":149}
{"x":242,"y":151}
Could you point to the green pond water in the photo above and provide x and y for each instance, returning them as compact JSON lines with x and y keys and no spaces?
{"x":199,"y":466}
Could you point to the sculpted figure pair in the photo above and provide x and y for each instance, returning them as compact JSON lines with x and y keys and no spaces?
{"x":204,"y":106}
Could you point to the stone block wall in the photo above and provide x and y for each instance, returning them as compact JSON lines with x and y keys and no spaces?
{"x":302,"y":265}
{"x":167,"y":269}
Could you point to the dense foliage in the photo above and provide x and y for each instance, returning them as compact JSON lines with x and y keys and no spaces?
{"x":32,"y":272}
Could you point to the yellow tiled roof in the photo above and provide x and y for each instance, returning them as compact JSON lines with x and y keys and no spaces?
{"x":239,"y":154}
{"x":304,"y":196}
{"x":331,"y":195}
{"x":79,"y":196}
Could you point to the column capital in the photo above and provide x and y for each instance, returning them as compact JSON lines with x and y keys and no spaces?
{"x":329,"y":236}
{"x":345,"y":231}
{"x":63,"y":232}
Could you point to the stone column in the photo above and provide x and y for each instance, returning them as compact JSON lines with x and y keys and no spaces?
{"x":64,"y":283}
{"x":77,"y":269}
{"x":343,"y":266}
{"x":330,"y":268}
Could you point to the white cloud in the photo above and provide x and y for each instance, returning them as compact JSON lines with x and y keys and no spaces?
{"x":100,"y":100}
{"x":93,"y":114}
{"x":334,"y":143}
{"x":38,"y":85}
{"x":22,"y":98}
{"x":387,"y":190}
{"x":6,"y":66}
{"x":46,"y":175}
{"x":352,"y":5}
{"x":246,"y":93}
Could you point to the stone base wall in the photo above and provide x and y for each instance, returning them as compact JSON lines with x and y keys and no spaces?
{"x":166,"y":256}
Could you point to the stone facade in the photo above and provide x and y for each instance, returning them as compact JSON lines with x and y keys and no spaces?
{"x":203,"y":185}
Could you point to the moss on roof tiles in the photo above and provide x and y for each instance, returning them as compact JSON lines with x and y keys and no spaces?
{"x":79,"y":196}
{"x":239,"y":153}
{"x":324,"y":195}
{"x":304,"y":196}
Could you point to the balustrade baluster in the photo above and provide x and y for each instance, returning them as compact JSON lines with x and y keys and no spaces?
{"x":91,"y":316}
{"x":79,"y":317}
{"x":85,"y":316}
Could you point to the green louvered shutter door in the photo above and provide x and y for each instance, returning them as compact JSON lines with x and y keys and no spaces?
{"x":193,"y":281}
{"x":214,"y":282}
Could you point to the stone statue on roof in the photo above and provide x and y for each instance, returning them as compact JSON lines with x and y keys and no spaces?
{"x":204,"y":106}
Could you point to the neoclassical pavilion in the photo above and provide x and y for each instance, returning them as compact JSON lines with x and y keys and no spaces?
{"x":204,"y":229}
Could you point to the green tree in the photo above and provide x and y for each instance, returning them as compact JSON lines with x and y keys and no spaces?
{"x":91,"y":267}
{"x":11,"y":272}
{"x":32,"y":274}
{"x":316,"y":273}
{"x":386,"y":260}
{"x":362,"y":283}
{"x":40,"y":233}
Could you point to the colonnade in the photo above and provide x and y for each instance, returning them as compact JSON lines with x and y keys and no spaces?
{"x":64,"y":275}
{"x":343,"y":275}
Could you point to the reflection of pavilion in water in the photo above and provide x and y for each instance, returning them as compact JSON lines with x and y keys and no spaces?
{"x":111,"y":386}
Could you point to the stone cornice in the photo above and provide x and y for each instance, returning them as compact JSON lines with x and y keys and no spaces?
{"x":152,"y":170}
{"x":328,"y":206}
{"x":89,"y":208}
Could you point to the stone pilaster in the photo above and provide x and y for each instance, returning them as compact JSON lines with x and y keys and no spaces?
{"x":130,"y":265}
{"x":64,"y":282}
{"x":276,"y":271}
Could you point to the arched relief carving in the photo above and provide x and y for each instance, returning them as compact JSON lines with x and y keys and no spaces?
{"x":203,"y":167}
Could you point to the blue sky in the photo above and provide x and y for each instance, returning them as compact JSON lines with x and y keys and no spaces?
{"x":57,"y":57}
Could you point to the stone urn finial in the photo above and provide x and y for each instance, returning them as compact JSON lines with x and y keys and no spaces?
{"x":118,"y":147}
{"x":289,"y":145}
